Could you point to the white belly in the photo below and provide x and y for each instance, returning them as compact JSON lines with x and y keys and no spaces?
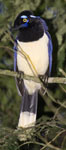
{"x":38,"y":53}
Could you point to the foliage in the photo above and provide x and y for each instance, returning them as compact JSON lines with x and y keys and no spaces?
{"x":47,"y":130}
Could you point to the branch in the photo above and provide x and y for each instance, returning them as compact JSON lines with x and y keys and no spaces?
{"x":33,"y":78}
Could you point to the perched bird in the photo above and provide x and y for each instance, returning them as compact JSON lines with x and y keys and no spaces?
{"x":35,"y":41}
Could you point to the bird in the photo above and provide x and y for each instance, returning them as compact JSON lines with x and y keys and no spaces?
{"x":34,"y":39}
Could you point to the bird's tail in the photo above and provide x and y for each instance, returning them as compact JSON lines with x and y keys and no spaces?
{"x":28,"y":110}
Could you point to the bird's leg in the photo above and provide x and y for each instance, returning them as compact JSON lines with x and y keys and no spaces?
{"x":44,"y":80}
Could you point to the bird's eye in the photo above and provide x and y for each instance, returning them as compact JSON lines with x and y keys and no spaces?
{"x":24,"y":20}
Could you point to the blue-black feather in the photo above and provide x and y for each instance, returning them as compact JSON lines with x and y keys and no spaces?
{"x":50,"y":49}
{"x":50,"y":46}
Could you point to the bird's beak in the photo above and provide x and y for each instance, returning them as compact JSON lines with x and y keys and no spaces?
{"x":17,"y":27}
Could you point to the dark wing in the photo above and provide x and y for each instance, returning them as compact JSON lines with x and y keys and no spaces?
{"x":19,"y":81}
{"x":50,"y":49}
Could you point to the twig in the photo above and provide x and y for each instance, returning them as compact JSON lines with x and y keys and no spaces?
{"x":51,"y":146}
{"x":62,"y":71}
{"x":62,"y":88}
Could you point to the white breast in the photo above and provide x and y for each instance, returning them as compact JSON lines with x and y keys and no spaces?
{"x":38,"y":53}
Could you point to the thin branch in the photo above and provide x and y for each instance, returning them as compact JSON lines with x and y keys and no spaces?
{"x":33,"y":78}
{"x":63,"y":89}
{"x":49,"y":143}
{"x":30,"y":142}
{"x":62,"y":71}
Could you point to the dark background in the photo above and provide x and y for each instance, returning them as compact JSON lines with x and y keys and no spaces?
{"x":54,"y":13}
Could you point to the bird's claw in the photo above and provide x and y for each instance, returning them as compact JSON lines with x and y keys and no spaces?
{"x":21,"y":73}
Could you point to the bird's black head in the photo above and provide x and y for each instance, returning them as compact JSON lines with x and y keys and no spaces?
{"x":30,"y":27}
{"x":23,"y":20}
